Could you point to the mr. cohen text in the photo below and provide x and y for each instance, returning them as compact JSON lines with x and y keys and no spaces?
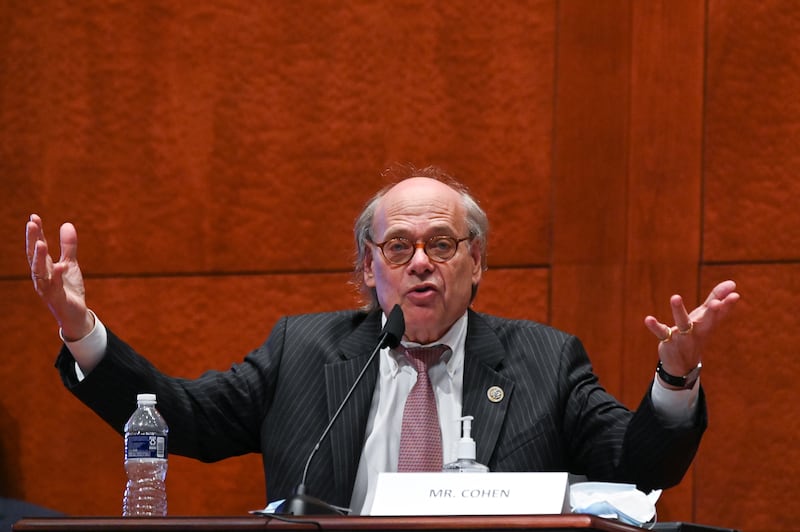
{"x":475,"y":493}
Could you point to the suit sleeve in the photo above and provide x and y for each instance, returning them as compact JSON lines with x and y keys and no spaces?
{"x":215,"y":416}
{"x":609,"y":442}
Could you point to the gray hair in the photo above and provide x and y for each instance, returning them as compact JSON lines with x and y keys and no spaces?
{"x":477,"y":222}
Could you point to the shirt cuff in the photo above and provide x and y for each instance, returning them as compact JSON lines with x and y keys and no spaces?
{"x":678,"y":407}
{"x":89,"y":350}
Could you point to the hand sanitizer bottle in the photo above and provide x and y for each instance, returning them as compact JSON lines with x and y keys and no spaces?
{"x":465,"y":462}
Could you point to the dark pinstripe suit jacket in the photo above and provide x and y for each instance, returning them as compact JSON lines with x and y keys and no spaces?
{"x":554,"y":416}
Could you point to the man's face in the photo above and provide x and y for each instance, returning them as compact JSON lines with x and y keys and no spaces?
{"x":433,"y":295}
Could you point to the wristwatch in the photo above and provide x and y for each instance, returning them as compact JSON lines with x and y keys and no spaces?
{"x":686,"y":382}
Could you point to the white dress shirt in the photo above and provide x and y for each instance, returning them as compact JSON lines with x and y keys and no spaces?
{"x":396,"y":377}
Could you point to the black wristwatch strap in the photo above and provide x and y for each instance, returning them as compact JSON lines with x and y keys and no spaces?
{"x":687,"y":381}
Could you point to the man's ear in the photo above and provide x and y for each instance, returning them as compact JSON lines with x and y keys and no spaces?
{"x":369,"y":274}
{"x":477,"y":264}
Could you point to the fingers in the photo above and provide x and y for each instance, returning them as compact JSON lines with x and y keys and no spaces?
{"x":40,"y":272}
{"x":721,"y":292}
{"x":683,"y":322}
{"x":69,"y":243}
{"x":684,"y":325}
{"x":719,"y":302}
{"x":680,"y":345}
{"x":44,"y":273}
{"x":39,"y":261}
{"x":718,"y":309}
{"x":37,"y":250}
{"x":33,"y":234}
{"x":660,"y":330}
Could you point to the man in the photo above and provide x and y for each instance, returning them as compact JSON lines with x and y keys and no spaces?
{"x":421,"y":245}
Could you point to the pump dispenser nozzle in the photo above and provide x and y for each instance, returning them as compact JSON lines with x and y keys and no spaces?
{"x":466,"y":445}
{"x":466,"y":451}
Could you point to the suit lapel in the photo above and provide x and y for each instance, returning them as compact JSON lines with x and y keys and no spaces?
{"x":347,"y":434}
{"x":483,"y":355}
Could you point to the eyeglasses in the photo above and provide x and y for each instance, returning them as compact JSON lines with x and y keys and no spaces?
{"x":399,"y":250}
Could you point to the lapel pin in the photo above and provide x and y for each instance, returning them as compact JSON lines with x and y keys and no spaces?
{"x":495,"y":394}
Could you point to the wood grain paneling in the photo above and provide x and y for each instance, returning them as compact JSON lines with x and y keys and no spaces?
{"x":747,"y":467}
{"x":745,"y":472}
{"x":627,"y":182}
{"x":515,"y":293}
{"x":214,"y":156}
{"x":664,"y":185}
{"x":752,"y":138}
{"x":589,"y":180}
{"x":228,"y":137}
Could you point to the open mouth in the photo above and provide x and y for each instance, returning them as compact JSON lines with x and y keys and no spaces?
{"x":423,"y":289}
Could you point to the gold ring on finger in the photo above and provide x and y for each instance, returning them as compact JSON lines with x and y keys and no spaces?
{"x":668,"y":337}
{"x":687,"y":331}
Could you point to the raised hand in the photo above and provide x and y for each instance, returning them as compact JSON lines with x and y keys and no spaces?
{"x":59,"y":284}
{"x":681,"y":345}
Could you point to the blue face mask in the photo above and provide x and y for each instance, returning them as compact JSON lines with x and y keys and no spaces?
{"x":614,"y":501}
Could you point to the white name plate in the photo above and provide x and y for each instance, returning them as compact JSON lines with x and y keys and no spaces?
{"x":471,"y":494}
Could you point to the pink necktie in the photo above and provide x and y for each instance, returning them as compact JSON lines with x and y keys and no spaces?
{"x":420,"y":436}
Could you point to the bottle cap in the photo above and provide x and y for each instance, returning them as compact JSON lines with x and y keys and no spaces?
{"x":146,"y":398}
{"x":466,"y":445}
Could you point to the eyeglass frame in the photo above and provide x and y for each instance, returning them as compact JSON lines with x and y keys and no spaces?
{"x":421,"y":244}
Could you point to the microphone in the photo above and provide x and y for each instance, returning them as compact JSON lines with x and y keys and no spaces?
{"x":301,"y":503}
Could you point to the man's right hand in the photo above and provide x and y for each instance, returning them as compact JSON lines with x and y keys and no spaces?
{"x":59,"y":284}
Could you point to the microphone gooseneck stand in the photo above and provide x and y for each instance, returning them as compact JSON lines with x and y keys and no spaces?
{"x":301,"y":503}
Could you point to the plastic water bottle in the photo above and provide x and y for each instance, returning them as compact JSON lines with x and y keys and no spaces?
{"x":465,"y":455}
{"x":145,"y":461}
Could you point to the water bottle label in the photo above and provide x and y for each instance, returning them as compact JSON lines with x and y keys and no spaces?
{"x":145,"y":446}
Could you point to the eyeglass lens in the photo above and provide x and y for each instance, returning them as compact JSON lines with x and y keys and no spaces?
{"x":399,"y":250}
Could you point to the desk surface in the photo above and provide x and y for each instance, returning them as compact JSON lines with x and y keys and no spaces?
{"x":541,"y":523}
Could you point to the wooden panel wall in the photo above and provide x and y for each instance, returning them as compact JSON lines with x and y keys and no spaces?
{"x":752,"y":231}
{"x":627,"y":176}
{"x":214,"y":156}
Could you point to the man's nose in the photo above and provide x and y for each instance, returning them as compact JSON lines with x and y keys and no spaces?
{"x":420,"y":261}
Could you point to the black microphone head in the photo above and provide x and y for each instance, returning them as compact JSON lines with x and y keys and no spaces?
{"x":395,"y":328}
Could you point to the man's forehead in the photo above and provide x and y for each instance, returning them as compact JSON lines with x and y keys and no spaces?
{"x":423,"y":201}
{"x":419,"y":191}
{"x":415,"y":182}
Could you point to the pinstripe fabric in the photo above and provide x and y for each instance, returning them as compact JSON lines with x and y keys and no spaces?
{"x":554,"y":415}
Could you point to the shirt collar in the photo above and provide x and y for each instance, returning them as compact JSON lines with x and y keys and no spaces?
{"x":454,"y":339}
